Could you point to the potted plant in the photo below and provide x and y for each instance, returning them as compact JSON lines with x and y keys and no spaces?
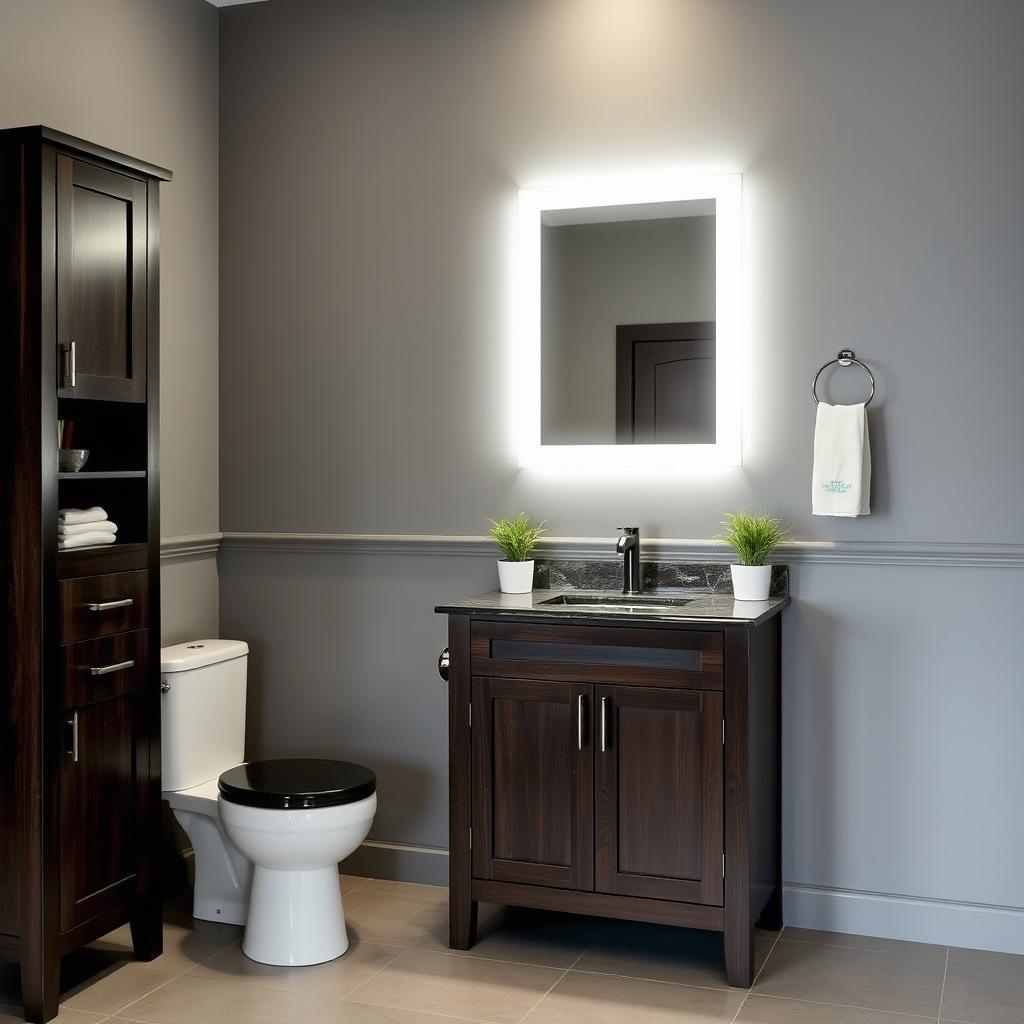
{"x":753,"y":538}
{"x":517,"y":538}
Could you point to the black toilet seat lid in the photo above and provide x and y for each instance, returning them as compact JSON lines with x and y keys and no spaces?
{"x":292,"y":783}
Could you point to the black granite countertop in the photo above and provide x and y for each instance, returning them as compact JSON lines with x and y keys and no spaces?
{"x":702,"y":608}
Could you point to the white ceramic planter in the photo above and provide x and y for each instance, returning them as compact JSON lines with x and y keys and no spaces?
{"x":751,"y":582}
{"x":515,"y":577}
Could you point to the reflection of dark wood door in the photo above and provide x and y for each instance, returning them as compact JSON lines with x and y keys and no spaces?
{"x":101,"y":282}
{"x":533,"y":768}
{"x":665,"y":383}
{"x":659,"y":795}
{"x":100,"y":796}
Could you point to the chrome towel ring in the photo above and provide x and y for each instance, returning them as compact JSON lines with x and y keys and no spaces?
{"x":845,"y":358}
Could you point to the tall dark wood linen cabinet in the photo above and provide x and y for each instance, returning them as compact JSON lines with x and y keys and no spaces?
{"x":80,"y":637}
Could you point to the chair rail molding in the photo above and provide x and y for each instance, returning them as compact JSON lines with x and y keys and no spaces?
{"x":970,"y":555}
{"x":189,"y":546}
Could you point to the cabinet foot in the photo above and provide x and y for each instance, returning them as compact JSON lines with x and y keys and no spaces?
{"x":739,"y":956}
{"x":147,"y":928}
{"x":462,"y":924}
{"x":40,"y":992}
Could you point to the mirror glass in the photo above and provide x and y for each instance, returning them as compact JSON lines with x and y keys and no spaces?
{"x":627,"y":324}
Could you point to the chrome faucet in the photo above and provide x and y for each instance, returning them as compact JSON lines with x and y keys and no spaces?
{"x":629,"y":547}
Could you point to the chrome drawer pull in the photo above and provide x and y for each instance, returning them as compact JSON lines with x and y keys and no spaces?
{"x":73,"y":722}
{"x":579,"y":722}
{"x":118,"y":666}
{"x":604,"y":725}
{"x":106,"y":606}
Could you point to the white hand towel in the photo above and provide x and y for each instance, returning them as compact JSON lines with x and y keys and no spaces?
{"x":75,"y":516}
{"x":85,"y":540}
{"x":841,"y":481}
{"x":70,"y":531}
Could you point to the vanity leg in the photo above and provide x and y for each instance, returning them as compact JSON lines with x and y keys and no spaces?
{"x":462,"y":916}
{"x":40,"y":990}
{"x":739,"y":955}
{"x":147,"y":927}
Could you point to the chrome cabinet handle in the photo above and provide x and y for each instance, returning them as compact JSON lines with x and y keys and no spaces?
{"x":70,"y":375}
{"x":73,"y":722}
{"x":106,"y":606}
{"x":604,"y":725}
{"x":579,"y":722}
{"x":105,"y":670}
{"x":443,"y":664}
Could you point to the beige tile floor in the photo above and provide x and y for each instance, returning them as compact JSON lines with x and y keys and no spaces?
{"x":527,"y":967}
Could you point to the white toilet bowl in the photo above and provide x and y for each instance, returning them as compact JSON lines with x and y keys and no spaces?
{"x":295,"y":819}
{"x":223,"y":876}
{"x":296,"y":916}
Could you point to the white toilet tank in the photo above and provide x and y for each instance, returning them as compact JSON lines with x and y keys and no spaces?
{"x":202,"y":731}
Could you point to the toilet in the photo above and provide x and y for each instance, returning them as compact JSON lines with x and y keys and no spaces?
{"x":266,"y":836}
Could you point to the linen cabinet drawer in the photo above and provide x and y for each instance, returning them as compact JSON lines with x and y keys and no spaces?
{"x":601,"y":654}
{"x":106,"y":667}
{"x":92,"y":606}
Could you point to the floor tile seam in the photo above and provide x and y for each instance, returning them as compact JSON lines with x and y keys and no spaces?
{"x":402,"y":950}
{"x":655,"y":981}
{"x":427,"y":1013}
{"x":847,"y":1006}
{"x":565,"y":974}
{"x":146,"y":995}
{"x":942,"y":991}
{"x":862,"y":949}
{"x":470,"y":955}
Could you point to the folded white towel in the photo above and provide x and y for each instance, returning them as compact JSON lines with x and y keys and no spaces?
{"x":75,"y":516}
{"x":85,"y":540}
{"x":841,"y":480}
{"x":70,"y":531}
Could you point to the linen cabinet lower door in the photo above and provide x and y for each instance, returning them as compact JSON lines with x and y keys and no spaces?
{"x":658,"y":766}
{"x":533,"y":782}
{"x":99,"y":825}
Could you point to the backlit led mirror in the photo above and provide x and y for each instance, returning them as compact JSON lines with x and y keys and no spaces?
{"x":629,"y":323}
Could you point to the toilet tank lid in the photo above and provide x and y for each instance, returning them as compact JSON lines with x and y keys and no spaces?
{"x":197,"y":653}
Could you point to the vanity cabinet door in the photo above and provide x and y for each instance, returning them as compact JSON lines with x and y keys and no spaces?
{"x":658,"y":767}
{"x":100,"y":796}
{"x":533,"y":782}
{"x":101,"y":282}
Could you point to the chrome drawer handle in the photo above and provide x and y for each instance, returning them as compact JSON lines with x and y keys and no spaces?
{"x":579,"y":722}
{"x":106,"y":606}
{"x":118,"y":666}
{"x":604,"y":725}
{"x":73,"y":722}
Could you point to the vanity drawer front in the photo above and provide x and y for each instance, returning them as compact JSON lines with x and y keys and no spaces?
{"x":93,"y":606}
{"x":107,"y":667}
{"x":609,"y":654}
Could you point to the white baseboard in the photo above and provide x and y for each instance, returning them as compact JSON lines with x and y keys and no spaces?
{"x":911,"y":918}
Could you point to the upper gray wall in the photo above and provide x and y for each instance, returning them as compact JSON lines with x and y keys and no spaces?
{"x":595,"y":277}
{"x":140,"y":76}
{"x":371,"y":156}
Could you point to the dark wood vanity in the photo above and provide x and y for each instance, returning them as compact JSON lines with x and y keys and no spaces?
{"x":80,"y":643}
{"x":625,"y":770}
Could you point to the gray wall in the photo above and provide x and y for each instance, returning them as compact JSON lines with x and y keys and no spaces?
{"x":370,"y":160}
{"x":595,"y":277}
{"x":140,"y":76}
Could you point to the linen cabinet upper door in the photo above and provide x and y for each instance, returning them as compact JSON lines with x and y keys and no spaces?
{"x":101,"y":282}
